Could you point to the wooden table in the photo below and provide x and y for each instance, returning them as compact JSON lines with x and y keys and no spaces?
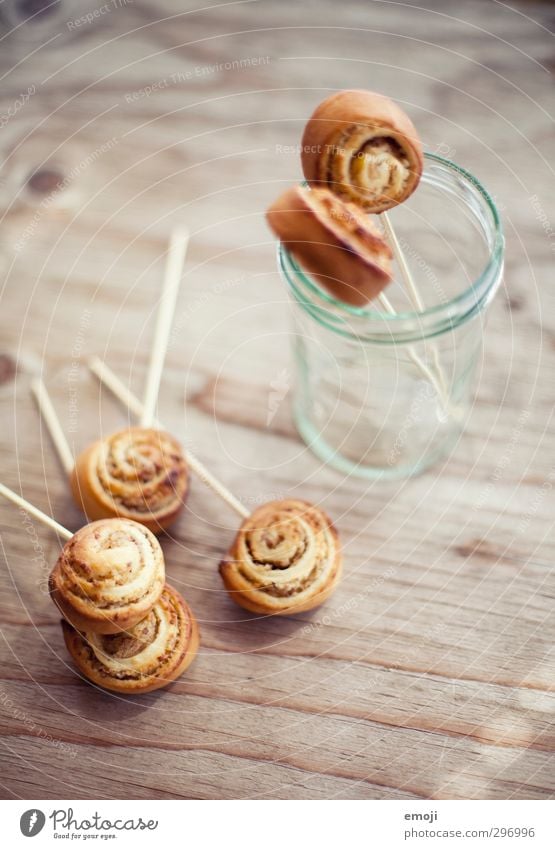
{"x":430,"y":671}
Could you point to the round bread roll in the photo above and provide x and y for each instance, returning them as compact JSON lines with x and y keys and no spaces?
{"x":147,"y":656}
{"x":285,"y":559}
{"x":108,"y":576}
{"x":137,"y":473}
{"x":363,"y":147}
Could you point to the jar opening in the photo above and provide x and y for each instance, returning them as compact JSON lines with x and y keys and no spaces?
{"x":451,"y":235}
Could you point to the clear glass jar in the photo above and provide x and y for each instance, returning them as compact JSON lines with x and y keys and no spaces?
{"x":386,"y":395}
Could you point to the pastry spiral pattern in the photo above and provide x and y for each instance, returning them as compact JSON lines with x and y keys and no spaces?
{"x":364,"y":148}
{"x":138,"y":473}
{"x":285,"y":559}
{"x":335,"y":241}
{"x":144,"y":657}
{"x":108,"y":576}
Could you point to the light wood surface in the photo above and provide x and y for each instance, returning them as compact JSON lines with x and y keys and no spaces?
{"x":430,"y":671}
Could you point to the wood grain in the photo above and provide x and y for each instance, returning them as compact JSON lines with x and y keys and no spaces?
{"x":429,"y":674}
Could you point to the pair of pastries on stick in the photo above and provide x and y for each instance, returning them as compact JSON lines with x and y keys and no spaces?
{"x":125,"y":627}
{"x":360,"y":154}
{"x":138,"y":473}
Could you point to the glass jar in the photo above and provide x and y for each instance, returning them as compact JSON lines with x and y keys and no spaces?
{"x":384,"y":390}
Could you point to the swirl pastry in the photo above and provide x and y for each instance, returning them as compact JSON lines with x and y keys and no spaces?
{"x":285,"y":559}
{"x":108,"y":576}
{"x":138,"y":473}
{"x":145,"y":657}
{"x":335,"y":241}
{"x":364,"y":147}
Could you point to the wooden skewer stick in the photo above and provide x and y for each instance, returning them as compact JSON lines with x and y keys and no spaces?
{"x":34,"y":511}
{"x":57,"y":435}
{"x":413,"y":292}
{"x":172,"y":278}
{"x":120,"y":391}
{"x":417,"y":360}
{"x":418,"y":305}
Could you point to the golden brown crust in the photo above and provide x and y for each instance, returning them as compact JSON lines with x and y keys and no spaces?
{"x":363,"y":147}
{"x":334,"y":241}
{"x":108,"y":576}
{"x":137,"y":473}
{"x":285,"y":559}
{"x":146,"y":657}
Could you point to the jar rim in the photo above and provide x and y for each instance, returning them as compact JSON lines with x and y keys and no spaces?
{"x":447,"y":314}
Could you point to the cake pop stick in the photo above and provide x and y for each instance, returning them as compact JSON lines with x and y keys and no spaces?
{"x":439,"y":385}
{"x":53,"y":425}
{"x":414,"y":297}
{"x":413,"y":293}
{"x":120,"y":391}
{"x":51,"y":523}
{"x":172,"y":277}
{"x":137,"y":473}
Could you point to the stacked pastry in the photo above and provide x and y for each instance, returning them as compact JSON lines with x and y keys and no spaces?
{"x":125,"y":627}
{"x":360,"y":154}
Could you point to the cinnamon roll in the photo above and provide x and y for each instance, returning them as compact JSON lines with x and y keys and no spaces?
{"x":284,"y":559}
{"x":138,"y":473}
{"x":108,"y":576}
{"x":334,"y":241}
{"x":364,"y":148}
{"x":144,"y":657}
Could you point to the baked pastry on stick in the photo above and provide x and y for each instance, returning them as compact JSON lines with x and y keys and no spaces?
{"x":285,"y":559}
{"x":334,"y":241}
{"x":137,"y":473}
{"x":363,"y":147}
{"x":145,"y":657}
{"x":108,"y":576}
